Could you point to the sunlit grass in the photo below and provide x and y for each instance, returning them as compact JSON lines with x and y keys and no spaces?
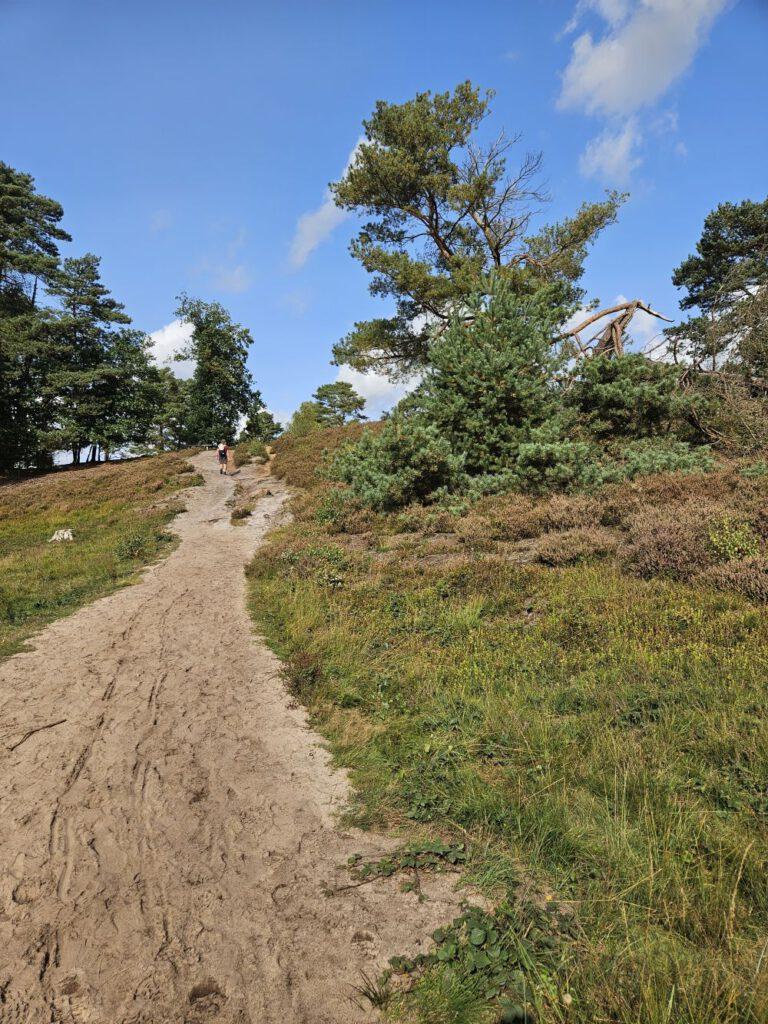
{"x":117,"y":513}
{"x":597,"y":735}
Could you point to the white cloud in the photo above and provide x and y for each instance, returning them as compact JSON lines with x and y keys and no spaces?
{"x":234,"y":279}
{"x":297,"y":300}
{"x":167,"y":341}
{"x":612,"y":11}
{"x":379,"y":392}
{"x":281,"y":416}
{"x":612,"y":155}
{"x":314,"y":227}
{"x":638,"y":59}
{"x":646,"y":46}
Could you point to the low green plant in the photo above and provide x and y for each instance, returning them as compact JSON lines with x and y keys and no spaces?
{"x":755,"y":470}
{"x":436,"y":855}
{"x":132,"y":546}
{"x":406,"y":461}
{"x":248,"y":449}
{"x":732,"y":540}
{"x":509,"y":956}
{"x":240,"y":513}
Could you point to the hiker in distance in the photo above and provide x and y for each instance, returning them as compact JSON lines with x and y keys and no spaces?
{"x":222,"y":453}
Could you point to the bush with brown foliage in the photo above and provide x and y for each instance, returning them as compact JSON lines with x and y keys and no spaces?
{"x":748,"y":577}
{"x":670,"y":541}
{"x":576,"y":545}
{"x":301,"y":460}
{"x":659,"y":525}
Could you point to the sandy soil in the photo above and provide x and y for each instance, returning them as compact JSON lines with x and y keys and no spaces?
{"x":167,"y":819}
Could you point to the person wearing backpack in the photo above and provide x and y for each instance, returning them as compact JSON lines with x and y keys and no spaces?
{"x":222,"y":453}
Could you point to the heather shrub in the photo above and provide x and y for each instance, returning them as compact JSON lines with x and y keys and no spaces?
{"x":669,"y":541}
{"x":732,"y":540}
{"x":426,"y":519}
{"x":748,"y":577}
{"x":303,"y":461}
{"x":249,"y":449}
{"x":508,"y":517}
{"x":575,"y":545}
{"x":567,"y":511}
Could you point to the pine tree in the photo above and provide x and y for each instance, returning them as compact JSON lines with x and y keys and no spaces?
{"x":99,"y":364}
{"x":29,"y":232}
{"x":443,"y":214}
{"x":338,"y":402}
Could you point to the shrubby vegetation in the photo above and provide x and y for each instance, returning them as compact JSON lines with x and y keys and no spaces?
{"x":510,"y":398}
{"x":498,"y":410}
{"x":571,"y":685}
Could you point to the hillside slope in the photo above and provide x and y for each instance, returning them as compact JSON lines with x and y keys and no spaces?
{"x":565,"y":684}
{"x":117,"y":513}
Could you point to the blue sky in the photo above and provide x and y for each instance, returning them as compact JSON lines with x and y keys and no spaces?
{"x":186,"y":141}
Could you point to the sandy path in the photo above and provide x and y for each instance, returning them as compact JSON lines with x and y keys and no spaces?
{"x":163,"y":849}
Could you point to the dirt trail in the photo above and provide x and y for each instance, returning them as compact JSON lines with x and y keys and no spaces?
{"x":166,"y":832}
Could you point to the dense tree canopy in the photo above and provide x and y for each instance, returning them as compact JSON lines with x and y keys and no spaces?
{"x":443,"y":213}
{"x":29,"y":232}
{"x":97,"y":363}
{"x":221,"y":389}
{"x":75,"y":375}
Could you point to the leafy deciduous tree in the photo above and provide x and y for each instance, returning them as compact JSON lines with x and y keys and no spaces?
{"x":221,"y":389}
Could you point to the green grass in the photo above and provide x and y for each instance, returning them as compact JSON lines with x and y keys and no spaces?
{"x":593,"y":736}
{"x":117,"y":513}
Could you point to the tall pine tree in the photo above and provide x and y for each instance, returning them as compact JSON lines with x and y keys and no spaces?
{"x":100,"y":365}
{"x":29,"y":233}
